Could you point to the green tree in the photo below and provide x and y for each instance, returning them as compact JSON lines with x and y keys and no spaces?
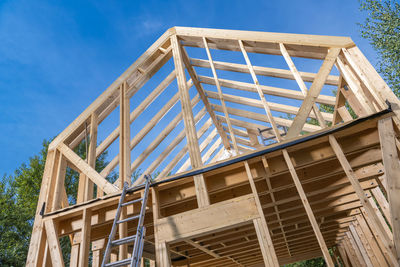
{"x":382,"y":28}
{"x":18,"y":199}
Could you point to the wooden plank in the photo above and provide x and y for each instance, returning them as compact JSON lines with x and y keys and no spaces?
{"x":299,"y":39}
{"x":360,"y":245}
{"x":260,"y":93}
{"x":54,"y":244}
{"x":37,"y":240}
{"x":190,"y":224}
{"x":263,"y":71}
{"x":371,"y":240}
{"x":124,"y":147}
{"x":59,"y":183}
{"x":85,"y":238}
{"x":359,"y":191}
{"x":91,"y":173}
{"x":313,"y":93}
{"x":257,"y":103}
{"x":269,"y":90}
{"x":264,"y":237}
{"x":356,"y":249}
{"x":202,"y":248}
{"x":392,"y":172}
{"x":220,"y":96}
{"x":301,"y":83}
{"x":383,"y":203}
{"x":190,"y":126}
{"x":308,"y":209}
{"x":204,"y":98}
{"x":89,"y":188}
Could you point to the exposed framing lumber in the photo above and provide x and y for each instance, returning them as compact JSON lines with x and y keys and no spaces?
{"x":220,"y":96}
{"x":313,"y":93}
{"x":260,"y":93}
{"x":203,"y":97}
{"x":308,"y":209}
{"x":264,"y":71}
{"x":392,"y":173}
{"x":359,"y":191}
{"x":249,"y":212}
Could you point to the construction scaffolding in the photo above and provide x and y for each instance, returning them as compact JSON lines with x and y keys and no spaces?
{"x":254,"y":162}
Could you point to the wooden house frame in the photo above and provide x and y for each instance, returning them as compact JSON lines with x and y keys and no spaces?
{"x":236,"y":183}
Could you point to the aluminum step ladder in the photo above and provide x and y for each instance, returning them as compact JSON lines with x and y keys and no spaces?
{"x":137,"y":239}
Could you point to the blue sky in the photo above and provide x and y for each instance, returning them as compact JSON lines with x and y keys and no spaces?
{"x":56,"y":58}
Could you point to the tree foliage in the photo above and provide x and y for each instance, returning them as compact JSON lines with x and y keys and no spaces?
{"x":382,"y":28}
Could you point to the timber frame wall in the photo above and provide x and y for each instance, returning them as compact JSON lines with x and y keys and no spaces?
{"x":326,"y":183}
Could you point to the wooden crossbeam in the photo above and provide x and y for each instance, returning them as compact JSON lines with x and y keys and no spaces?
{"x":264,"y":71}
{"x":269,"y":90}
{"x":313,"y":93}
{"x":257,"y":103}
{"x":301,"y":83}
{"x":91,"y":173}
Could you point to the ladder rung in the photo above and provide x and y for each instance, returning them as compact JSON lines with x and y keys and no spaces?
{"x":124,"y":240}
{"x":131,"y":202}
{"x":119,"y":263}
{"x":129,"y":219}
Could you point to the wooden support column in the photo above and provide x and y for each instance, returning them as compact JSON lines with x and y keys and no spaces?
{"x":59,"y":183}
{"x":313,"y":93}
{"x":162,"y":251}
{"x":97,"y":248}
{"x":74,"y":256}
{"x":54,"y":244}
{"x":360,"y":193}
{"x":85,"y":238}
{"x":261,"y":226}
{"x":308,"y":209}
{"x":125,"y":161}
{"x":392,"y":172}
{"x":190,"y":125}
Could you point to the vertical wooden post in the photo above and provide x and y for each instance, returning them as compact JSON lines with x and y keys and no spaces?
{"x":308,"y":209}
{"x":162,"y":252}
{"x":85,"y":238}
{"x":261,"y":226}
{"x":59,"y":183}
{"x":125,"y":160}
{"x":392,"y":171}
{"x":74,"y":256}
{"x":190,"y":126}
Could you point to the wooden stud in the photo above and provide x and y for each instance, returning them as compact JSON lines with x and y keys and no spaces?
{"x":308,"y":209}
{"x":54,"y":244}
